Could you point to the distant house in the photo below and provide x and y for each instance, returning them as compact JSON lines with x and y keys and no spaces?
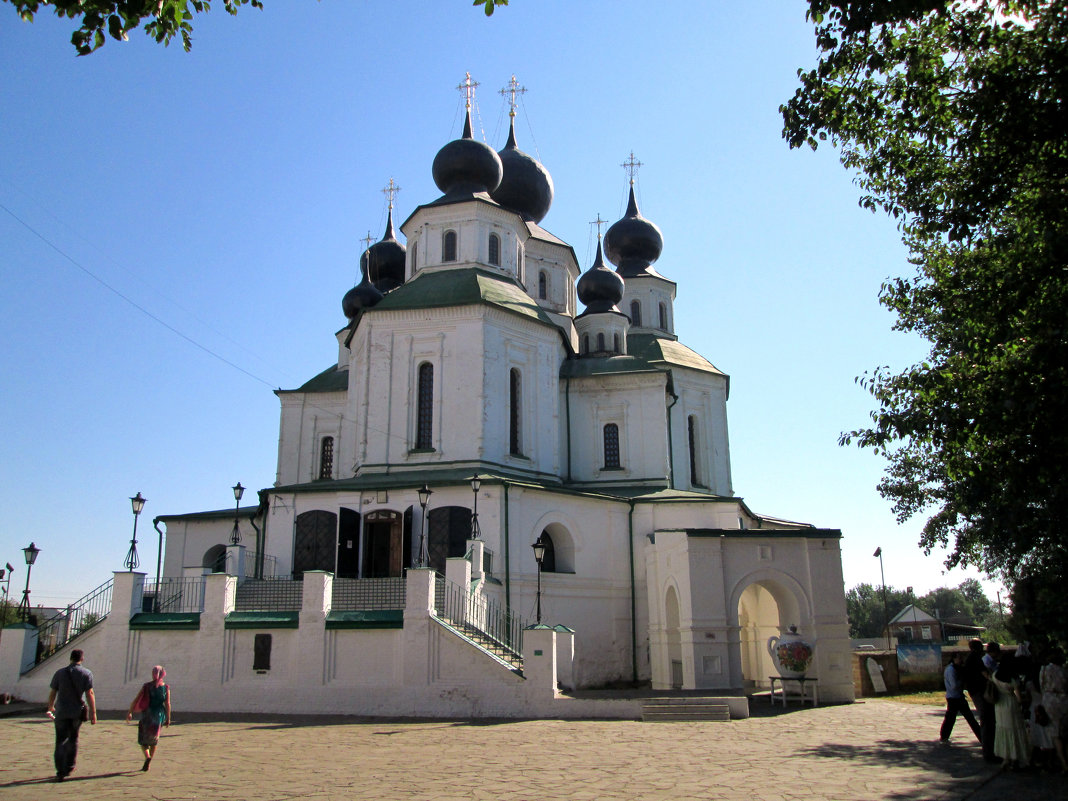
{"x":912,"y":624}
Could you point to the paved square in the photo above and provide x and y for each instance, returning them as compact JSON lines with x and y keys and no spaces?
{"x":877,"y":749}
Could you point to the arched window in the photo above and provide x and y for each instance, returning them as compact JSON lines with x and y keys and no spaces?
{"x":611,"y":447}
{"x":548,"y":561}
{"x":448,"y":246}
{"x":515,"y":441}
{"x":495,"y":249}
{"x":691,"y":431}
{"x":543,"y":285}
{"x":585,"y":343}
{"x":615,"y":342}
{"x":600,"y":342}
{"x":326,"y":458}
{"x":519,"y":261}
{"x":415,"y":257}
{"x":424,"y":424}
{"x":663,"y":317}
{"x":635,"y":313}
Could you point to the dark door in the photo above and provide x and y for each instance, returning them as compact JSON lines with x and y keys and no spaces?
{"x":448,"y":530}
{"x":383,"y":547}
{"x":315,"y":543}
{"x":348,"y":544}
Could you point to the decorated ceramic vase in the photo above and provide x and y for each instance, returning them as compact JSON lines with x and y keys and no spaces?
{"x":792,"y":655}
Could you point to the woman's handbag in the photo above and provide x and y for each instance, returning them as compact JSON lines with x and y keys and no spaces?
{"x":140,"y":703}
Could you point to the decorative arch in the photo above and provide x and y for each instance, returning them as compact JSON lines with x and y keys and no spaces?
{"x":564,"y":543}
{"x":673,"y":635}
{"x":763,"y":604}
{"x":215,"y":559}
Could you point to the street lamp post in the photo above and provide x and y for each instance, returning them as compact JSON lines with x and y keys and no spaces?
{"x":235,"y":535}
{"x":424,"y":499}
{"x":886,"y":609}
{"x":5,"y":579}
{"x":539,"y":556}
{"x":476,"y":482}
{"x":137,"y":503}
{"x":31,"y":552}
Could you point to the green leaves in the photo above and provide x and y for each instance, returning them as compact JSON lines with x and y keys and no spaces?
{"x":954,"y":116}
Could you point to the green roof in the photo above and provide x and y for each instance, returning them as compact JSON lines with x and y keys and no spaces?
{"x":463,"y":287}
{"x":661,"y":351}
{"x":262,"y":620}
{"x":329,"y":380}
{"x":173,"y":621}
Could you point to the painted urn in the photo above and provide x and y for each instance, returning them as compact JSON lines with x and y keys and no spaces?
{"x":792,"y":655}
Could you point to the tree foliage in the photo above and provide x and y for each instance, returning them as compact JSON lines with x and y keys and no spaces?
{"x":954,"y":116}
{"x":162,"y":19}
{"x":966,"y":603}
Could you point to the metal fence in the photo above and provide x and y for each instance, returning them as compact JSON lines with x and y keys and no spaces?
{"x":77,"y":619}
{"x":279,"y":594}
{"x":489,"y":623}
{"x":368,"y":594}
{"x":174,"y":595}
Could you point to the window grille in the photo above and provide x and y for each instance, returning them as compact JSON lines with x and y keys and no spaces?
{"x":635,"y":313}
{"x":611,"y":447}
{"x":326,"y":458}
{"x":495,"y":250}
{"x":515,"y":444}
{"x":448,"y":246}
{"x":425,"y":421}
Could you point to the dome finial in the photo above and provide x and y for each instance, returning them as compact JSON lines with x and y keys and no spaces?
{"x":390,"y":191}
{"x":467,"y":88}
{"x":633,"y":243}
{"x":631,"y":165}
{"x":512,"y":89}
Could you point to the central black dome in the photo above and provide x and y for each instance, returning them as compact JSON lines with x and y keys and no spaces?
{"x":467,"y":167}
{"x":527,"y":187}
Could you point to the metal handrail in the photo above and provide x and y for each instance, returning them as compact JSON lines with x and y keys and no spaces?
{"x":175,"y":595}
{"x":78,"y":618}
{"x":491,"y":624}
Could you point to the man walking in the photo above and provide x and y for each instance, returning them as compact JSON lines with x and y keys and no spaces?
{"x":955,"y":701}
{"x":65,"y":704}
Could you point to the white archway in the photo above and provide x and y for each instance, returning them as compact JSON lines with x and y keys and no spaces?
{"x":672,"y":622}
{"x":765,"y":604}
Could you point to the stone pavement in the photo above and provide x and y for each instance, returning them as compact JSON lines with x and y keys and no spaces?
{"x":876,"y":749}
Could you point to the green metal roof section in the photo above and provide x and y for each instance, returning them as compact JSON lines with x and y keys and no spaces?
{"x":169,"y":621}
{"x":262,"y":620}
{"x":808,"y":532}
{"x":586,"y":366}
{"x":329,"y":380}
{"x":217,"y":514}
{"x":661,"y":351}
{"x":465,"y":286}
{"x":366,"y":619}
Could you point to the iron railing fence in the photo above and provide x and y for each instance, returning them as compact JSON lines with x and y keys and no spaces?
{"x":491,"y":624}
{"x":277,"y":594}
{"x":368,"y":594}
{"x":174,"y":595}
{"x":77,"y":619}
{"x":270,"y":564}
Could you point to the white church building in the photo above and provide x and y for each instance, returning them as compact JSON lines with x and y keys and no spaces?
{"x":531,"y":399}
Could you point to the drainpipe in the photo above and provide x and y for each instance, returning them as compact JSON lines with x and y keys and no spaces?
{"x":633,"y":591}
{"x":159,"y":559}
{"x":567,"y":412}
{"x":670,"y":439}
{"x":507,"y":556}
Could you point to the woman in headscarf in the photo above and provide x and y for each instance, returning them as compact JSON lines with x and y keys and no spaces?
{"x":153,"y":701}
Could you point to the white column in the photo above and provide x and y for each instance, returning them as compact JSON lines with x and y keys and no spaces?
{"x":418,"y":605}
{"x":539,"y":661}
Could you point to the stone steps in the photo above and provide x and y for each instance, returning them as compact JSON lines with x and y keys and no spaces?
{"x":659,"y":710}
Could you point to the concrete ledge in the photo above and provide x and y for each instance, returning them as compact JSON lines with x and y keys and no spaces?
{"x":262,"y":620}
{"x":366,"y":619}
{"x":167,"y":621}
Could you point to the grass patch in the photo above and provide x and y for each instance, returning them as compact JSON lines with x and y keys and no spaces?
{"x":933,"y":698}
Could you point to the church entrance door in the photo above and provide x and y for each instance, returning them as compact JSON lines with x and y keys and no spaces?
{"x":348,"y":544}
{"x":383,"y":544}
{"x":315,"y":542}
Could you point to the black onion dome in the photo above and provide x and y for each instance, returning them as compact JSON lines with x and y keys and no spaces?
{"x":466,"y":167}
{"x":385,"y":260}
{"x":599,"y":288}
{"x":633,"y":243}
{"x":363,"y":295}
{"x":527,"y":187}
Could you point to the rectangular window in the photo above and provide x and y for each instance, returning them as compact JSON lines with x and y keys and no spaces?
{"x":925,"y":632}
{"x":611,"y":447}
{"x":424,"y":424}
{"x":326,"y":458}
{"x":261,"y":652}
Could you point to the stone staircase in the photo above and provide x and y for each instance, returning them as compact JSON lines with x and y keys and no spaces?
{"x":658,"y":710}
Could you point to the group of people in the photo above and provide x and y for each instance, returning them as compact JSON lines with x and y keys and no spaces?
{"x":1023,"y":707}
{"x":71,"y":702}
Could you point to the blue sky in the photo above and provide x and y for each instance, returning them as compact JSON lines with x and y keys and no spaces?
{"x":222,"y":195}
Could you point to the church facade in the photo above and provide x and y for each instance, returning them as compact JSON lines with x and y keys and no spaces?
{"x":535,"y":400}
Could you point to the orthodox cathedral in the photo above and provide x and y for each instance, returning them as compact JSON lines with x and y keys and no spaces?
{"x":489,"y":390}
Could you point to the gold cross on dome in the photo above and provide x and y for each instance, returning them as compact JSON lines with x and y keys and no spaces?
{"x":468,"y":89}
{"x":598,"y":222}
{"x":367,"y":240}
{"x":513,"y":88}
{"x":391,"y":192}
{"x":631,"y":165}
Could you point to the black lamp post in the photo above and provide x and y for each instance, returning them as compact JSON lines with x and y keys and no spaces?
{"x":5,"y":578}
{"x":137,"y":503}
{"x":476,"y":482}
{"x":424,"y":499}
{"x":886,"y":609}
{"x":235,"y":536}
{"x":539,"y":556}
{"x":31,"y":552}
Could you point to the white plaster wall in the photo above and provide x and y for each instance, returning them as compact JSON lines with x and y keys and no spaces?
{"x":703,"y":395}
{"x":650,"y":292}
{"x":305,"y":419}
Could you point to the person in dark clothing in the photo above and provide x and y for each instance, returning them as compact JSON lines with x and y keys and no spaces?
{"x":956,"y":704}
{"x":69,"y":685}
{"x":975,"y":683}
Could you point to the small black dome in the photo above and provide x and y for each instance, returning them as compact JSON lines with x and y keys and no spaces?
{"x":527,"y":187}
{"x":599,"y":288}
{"x":384,"y":261}
{"x":466,"y":167}
{"x":363,"y":295}
{"x":633,"y":243}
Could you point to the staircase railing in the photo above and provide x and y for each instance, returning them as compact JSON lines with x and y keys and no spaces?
{"x":74,"y":621}
{"x":493,"y":625}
